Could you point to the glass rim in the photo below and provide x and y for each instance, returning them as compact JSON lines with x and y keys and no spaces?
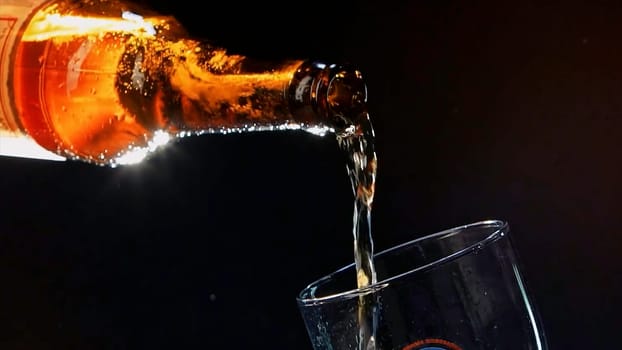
{"x":500,"y":230}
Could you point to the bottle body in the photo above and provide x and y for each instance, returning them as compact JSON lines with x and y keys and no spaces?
{"x":99,"y":82}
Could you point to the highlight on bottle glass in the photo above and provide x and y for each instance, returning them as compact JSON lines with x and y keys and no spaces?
{"x":459,"y":289}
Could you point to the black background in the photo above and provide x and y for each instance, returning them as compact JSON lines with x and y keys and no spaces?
{"x":481,"y":110}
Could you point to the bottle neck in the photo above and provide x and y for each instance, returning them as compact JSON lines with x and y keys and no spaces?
{"x":188,"y":86}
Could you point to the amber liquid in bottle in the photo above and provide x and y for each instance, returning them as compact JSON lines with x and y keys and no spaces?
{"x":73,"y":99}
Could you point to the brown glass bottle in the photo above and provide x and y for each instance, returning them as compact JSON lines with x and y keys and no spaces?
{"x":105,"y":82}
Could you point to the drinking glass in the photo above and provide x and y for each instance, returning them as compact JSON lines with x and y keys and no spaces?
{"x":459,"y":289}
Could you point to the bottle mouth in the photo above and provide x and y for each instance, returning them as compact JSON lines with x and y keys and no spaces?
{"x":346,"y":93}
{"x":336,"y":93}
